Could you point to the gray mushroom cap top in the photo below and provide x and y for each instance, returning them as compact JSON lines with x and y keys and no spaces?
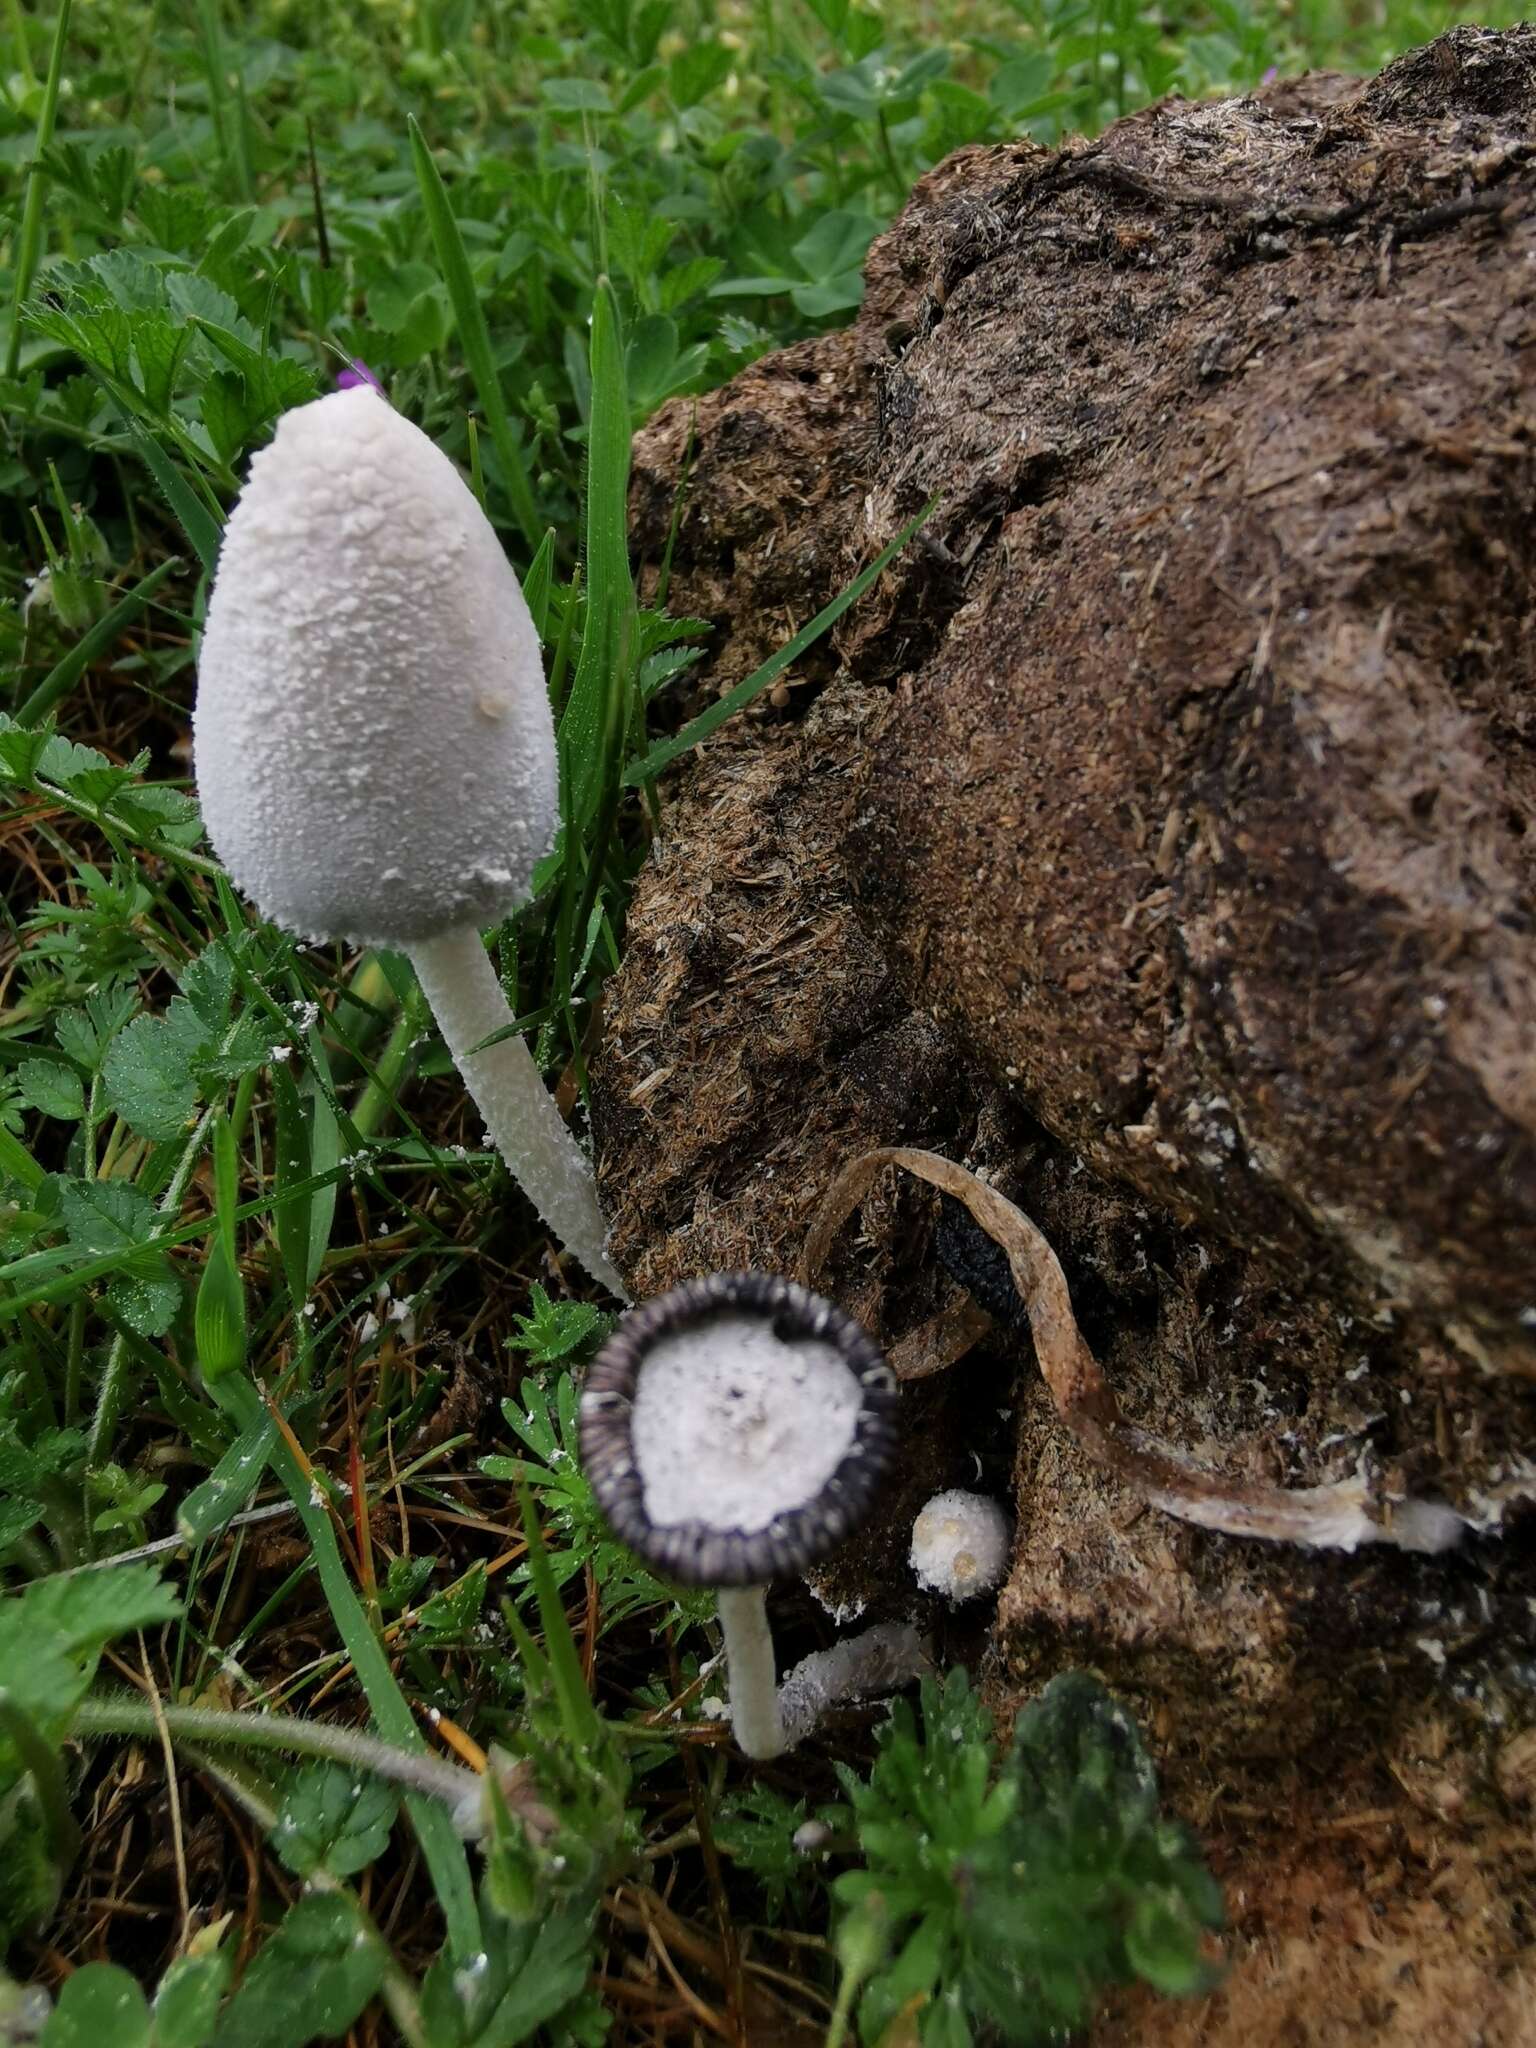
{"x":374,"y":750}
{"x":736,"y":1428}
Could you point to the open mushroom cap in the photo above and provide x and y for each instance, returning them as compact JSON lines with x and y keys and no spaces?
{"x":375,"y":754}
{"x":736,"y":1428}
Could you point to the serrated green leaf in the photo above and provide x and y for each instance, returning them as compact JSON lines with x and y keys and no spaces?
{"x":309,"y":1983}
{"x":85,"y":1034}
{"x":226,"y":413}
{"x":148,"y":1078}
{"x":196,"y":297}
{"x":158,"y":347}
{"x":186,"y":2008}
{"x":271,"y":383}
{"x":696,"y":71}
{"x":685,"y":281}
{"x":532,"y":1971}
{"x":450,"y":1614}
{"x":21,"y":751}
{"x":68,"y":764}
{"x":333,"y":1819}
{"x":208,"y":984}
{"x":146,"y":1300}
{"x":52,"y":1633}
{"x":201,"y":523}
{"x":575,"y":96}
{"x":555,"y":1330}
{"x":105,"y":1215}
{"x":100,"y":2003}
{"x":53,"y":1088}
{"x":177,"y":216}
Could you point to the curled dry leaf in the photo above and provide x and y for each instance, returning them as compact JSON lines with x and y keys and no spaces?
{"x":1341,"y":1514}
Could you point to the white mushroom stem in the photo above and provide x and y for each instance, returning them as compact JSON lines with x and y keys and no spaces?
{"x":883,"y":1659}
{"x":755,"y":1718}
{"x":768,"y":1719}
{"x":527,"y":1129}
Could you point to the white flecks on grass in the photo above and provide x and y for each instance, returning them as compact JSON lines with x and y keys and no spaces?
{"x":734,"y":1427}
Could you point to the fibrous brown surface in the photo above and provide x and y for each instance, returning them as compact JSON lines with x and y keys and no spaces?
{"x":1160,"y":838}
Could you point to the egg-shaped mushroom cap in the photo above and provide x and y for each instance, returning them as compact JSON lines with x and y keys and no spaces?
{"x":374,"y":749}
{"x":736,"y":1428}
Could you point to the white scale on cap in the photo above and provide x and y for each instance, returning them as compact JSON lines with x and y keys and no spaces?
{"x":733,"y":1427}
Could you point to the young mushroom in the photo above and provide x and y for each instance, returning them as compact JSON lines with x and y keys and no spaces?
{"x":733,"y":1429}
{"x":960,"y":1544}
{"x":375,"y":752}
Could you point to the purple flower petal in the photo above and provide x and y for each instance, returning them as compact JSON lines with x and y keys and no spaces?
{"x":357,"y":372}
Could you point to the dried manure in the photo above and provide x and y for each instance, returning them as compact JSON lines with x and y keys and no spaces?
{"x":1158,"y":839}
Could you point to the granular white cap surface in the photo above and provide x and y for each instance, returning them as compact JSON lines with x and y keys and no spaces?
{"x":733,"y":1427}
{"x":375,"y":754}
{"x":960,"y":1544}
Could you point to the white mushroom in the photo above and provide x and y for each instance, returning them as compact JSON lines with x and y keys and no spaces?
{"x":960,"y":1545}
{"x":732,"y":1429}
{"x":375,"y":752}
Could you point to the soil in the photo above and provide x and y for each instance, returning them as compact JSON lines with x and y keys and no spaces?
{"x":1158,"y":838}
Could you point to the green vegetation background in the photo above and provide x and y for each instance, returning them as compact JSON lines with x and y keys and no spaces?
{"x":230,"y":1170}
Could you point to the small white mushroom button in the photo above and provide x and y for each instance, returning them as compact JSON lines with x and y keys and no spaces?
{"x":960,"y":1545}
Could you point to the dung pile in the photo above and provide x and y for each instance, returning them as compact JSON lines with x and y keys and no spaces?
{"x":1160,"y":838}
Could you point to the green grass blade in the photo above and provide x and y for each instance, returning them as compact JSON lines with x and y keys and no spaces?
{"x":18,"y":1162}
{"x":440,"y":1846}
{"x":192,"y":515}
{"x":474,"y":336}
{"x":29,"y":242}
{"x":218,"y":1319}
{"x":592,"y":728}
{"x":211,"y":1506}
{"x":291,"y":1211}
{"x":576,"y":1709}
{"x":668,"y":750}
{"x":536,"y":584}
{"x":324,"y":1133}
{"x":92,"y":645}
{"x":19,"y":39}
